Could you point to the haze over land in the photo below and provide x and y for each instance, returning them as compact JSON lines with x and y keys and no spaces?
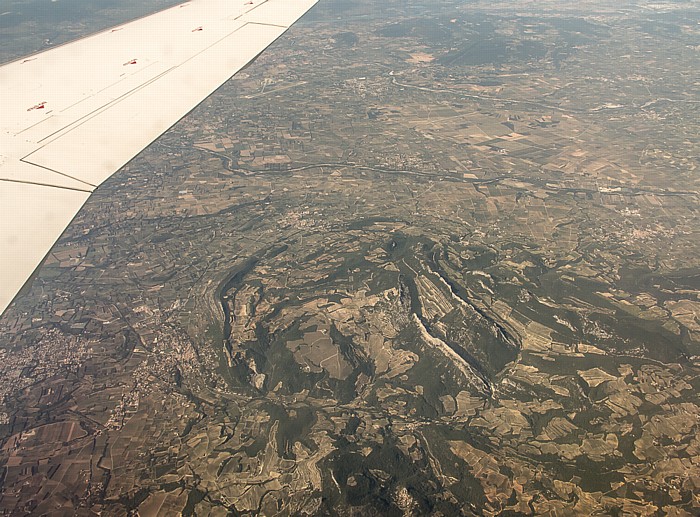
{"x":418,"y":259}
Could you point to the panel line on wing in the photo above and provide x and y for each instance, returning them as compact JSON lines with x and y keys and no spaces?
{"x":65,"y":130}
{"x":97,"y":111}
{"x":215,"y":43}
{"x":251,"y":10}
{"x":268,"y":24}
{"x":55,"y":171}
{"x":47,"y":184}
{"x":108,"y":87}
{"x":35,"y":124}
{"x":78,"y":122}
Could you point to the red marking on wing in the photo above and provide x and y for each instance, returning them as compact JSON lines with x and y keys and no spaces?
{"x":197,"y":29}
{"x":132,"y":62}
{"x":39,"y":106}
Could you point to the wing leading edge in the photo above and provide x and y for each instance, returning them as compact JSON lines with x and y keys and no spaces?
{"x":69,"y":114}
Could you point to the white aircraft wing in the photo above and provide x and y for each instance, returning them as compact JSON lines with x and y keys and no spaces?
{"x":73,"y":115}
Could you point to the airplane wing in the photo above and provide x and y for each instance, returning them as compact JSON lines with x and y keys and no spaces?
{"x":73,"y":115}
